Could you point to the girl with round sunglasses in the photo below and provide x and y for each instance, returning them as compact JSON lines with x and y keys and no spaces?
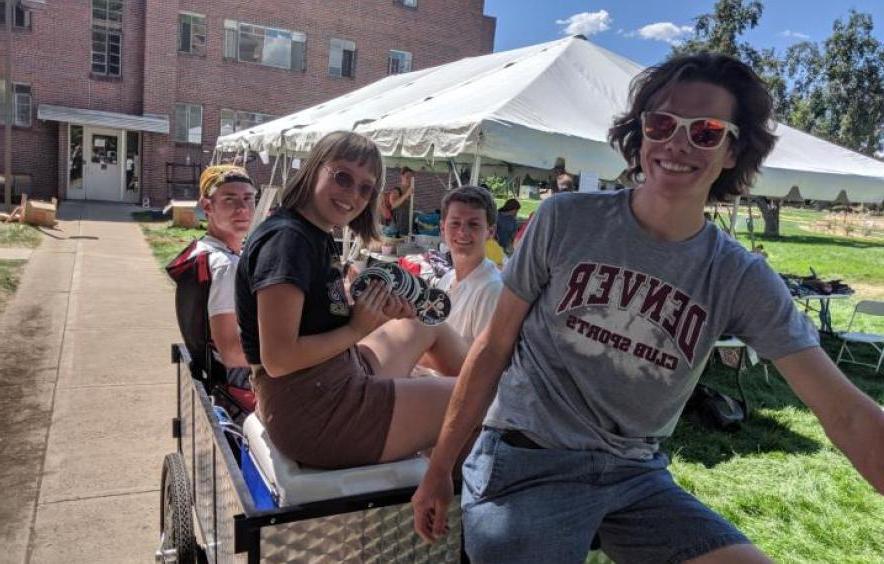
{"x":610,"y":309}
{"x":330,"y":376}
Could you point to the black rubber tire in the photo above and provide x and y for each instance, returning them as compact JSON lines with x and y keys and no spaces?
{"x":176,"y":515}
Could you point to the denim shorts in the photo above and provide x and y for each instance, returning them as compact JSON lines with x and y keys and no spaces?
{"x":546,"y":505}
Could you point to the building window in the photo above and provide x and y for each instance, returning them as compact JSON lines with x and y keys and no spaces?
{"x":192,"y":34}
{"x":398,"y":62}
{"x":21,"y":94}
{"x":406,"y":3}
{"x":235,"y":120}
{"x":342,"y":58}
{"x":107,"y":37}
{"x":189,"y":123}
{"x":280,"y":48}
{"x":21,"y":16}
{"x":21,"y":104}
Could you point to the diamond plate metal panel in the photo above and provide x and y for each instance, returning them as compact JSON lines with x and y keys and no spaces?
{"x":186,"y":394}
{"x":378,"y":536}
{"x":203,"y":501}
{"x":228,"y":504}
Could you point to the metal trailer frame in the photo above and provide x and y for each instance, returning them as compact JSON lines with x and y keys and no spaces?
{"x":376,"y":527}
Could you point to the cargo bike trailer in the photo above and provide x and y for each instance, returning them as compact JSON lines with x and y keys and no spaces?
{"x":228,"y":496}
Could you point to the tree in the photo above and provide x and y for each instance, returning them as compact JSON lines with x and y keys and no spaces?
{"x":838,"y":90}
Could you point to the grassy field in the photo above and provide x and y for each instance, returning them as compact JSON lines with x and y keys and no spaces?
{"x":857,"y":262}
{"x":778,"y":478}
{"x":166,"y":241}
{"x":10,"y":271}
{"x":19,"y":235}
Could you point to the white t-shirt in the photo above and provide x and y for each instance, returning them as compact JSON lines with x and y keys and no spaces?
{"x":473,"y":299}
{"x":222,"y":262}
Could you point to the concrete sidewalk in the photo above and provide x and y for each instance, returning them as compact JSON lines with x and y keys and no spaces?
{"x":88,"y":394}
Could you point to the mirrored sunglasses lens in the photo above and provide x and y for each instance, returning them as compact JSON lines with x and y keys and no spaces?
{"x":343,"y":179}
{"x":707,"y":133}
{"x":659,"y":127}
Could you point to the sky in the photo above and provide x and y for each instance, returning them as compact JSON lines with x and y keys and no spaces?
{"x":643,"y":30}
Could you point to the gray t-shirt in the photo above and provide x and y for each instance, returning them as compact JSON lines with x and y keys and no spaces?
{"x":621,"y":324}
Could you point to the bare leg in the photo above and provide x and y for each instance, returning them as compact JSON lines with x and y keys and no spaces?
{"x":734,"y":554}
{"x":394,"y":348}
{"x":417,"y":416}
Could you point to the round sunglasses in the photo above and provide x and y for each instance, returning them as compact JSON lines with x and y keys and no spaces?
{"x":346,"y":180}
{"x":703,"y":132}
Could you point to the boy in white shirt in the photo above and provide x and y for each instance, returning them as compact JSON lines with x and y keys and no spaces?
{"x":474,"y":284}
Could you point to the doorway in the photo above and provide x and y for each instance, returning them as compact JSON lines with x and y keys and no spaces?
{"x":103,"y":164}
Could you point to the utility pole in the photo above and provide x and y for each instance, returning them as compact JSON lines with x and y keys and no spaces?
{"x":9,"y":111}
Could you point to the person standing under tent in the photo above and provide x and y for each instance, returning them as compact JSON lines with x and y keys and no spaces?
{"x":401,"y":203}
{"x":611,"y":307}
{"x":506,"y":224}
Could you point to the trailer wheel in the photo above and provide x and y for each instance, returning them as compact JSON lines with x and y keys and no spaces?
{"x":176,"y":517}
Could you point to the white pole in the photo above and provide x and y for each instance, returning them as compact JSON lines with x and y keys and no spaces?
{"x":453,"y":168}
{"x":734,"y":213}
{"x":474,"y":174}
{"x":273,"y":171}
{"x":411,"y":208}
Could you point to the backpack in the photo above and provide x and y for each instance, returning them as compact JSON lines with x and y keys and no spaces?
{"x":193,"y":276}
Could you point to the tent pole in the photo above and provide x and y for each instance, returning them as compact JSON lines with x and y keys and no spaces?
{"x":474,"y":174}
{"x":411,"y":208}
{"x":734,"y":213}
{"x":453,"y":168}
{"x":273,"y":171}
{"x":751,"y":224}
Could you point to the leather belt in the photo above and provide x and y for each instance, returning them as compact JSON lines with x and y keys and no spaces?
{"x":518,"y":439}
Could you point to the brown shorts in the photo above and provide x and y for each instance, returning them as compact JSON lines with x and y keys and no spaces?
{"x":332,"y":415}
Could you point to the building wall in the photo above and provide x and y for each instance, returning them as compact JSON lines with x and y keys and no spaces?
{"x":54,"y":58}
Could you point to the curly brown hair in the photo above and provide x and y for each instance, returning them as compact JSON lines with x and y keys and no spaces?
{"x":753,"y":114}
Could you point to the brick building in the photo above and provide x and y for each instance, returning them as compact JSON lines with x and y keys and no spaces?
{"x":120,"y":99}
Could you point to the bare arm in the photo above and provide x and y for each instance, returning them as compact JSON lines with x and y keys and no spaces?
{"x":472,"y":395}
{"x":851,"y":419}
{"x":407,"y":189}
{"x":284,"y":351}
{"x":225,"y":335}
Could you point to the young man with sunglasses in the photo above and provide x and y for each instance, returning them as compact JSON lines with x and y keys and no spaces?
{"x":610,"y":309}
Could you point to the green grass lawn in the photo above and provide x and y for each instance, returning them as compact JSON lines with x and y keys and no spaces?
{"x":779,"y":479}
{"x":166,"y":241}
{"x":528,"y":206}
{"x":857,"y":262}
{"x":10,"y":271}
{"x":19,"y":235}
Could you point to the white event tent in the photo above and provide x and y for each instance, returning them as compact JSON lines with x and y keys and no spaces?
{"x":527,"y":107}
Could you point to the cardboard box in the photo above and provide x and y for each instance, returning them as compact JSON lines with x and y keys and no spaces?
{"x":183,"y":213}
{"x":38,"y":213}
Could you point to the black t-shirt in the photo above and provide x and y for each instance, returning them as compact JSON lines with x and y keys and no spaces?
{"x":288,"y":249}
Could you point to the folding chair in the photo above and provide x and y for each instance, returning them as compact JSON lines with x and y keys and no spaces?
{"x":876,"y":340}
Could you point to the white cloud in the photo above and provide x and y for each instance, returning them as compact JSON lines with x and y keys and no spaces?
{"x":665,"y":31}
{"x":586,"y":23}
{"x":795,"y":34}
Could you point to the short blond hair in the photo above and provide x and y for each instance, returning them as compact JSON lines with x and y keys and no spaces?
{"x":216,"y":175}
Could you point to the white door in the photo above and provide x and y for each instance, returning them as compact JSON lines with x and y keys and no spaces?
{"x":103,"y":158}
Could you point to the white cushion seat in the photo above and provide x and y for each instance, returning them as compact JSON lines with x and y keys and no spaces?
{"x":294,"y":484}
